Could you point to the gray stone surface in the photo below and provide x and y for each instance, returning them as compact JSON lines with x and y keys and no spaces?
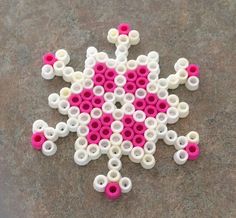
{"x":32,"y":185}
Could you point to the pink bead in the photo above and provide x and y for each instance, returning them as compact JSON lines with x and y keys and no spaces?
{"x":162,"y":106}
{"x":128,"y":121}
{"x":109,"y":86}
{"x":106,"y":119}
{"x":131,"y":75}
{"x":127,"y":133}
{"x":110,"y":74}
{"x":93,"y":137}
{"x":37,"y":140}
{"x":193,"y":70}
{"x":100,"y":68}
{"x":75,"y":100}
{"x":151,"y":99}
{"x":142,"y":71}
{"x":193,"y":151}
{"x":86,"y":106}
{"x":138,"y":141}
{"x":97,"y":101}
{"x":95,"y":125}
{"x":139,"y":128}
{"x":130,"y":87}
{"x":150,"y":111}
{"x":141,"y":82}
{"x":99,"y":80}
{"x":124,"y":28}
{"x":105,"y":132}
{"x":87,"y":94}
{"x":113,"y":190}
{"x":139,"y":104}
{"x":49,"y":58}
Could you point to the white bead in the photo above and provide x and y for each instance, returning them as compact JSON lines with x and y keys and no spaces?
{"x":172,"y":115}
{"x":170,"y":137}
{"x":131,"y":64}
{"x":180,"y":157}
{"x":173,"y":100}
{"x":128,"y":108}
{"x":47,"y":72}
{"x":114,"y":164}
{"x":134,"y":37}
{"x":181,"y":142}
{"x":82,"y":131}
{"x":76,"y":88}
{"x":104,"y":145}
{"x":153,"y":56}
{"x":53,"y":100}
{"x":94,"y":151}
{"x":65,"y":93}
{"x":183,"y":76}
{"x":81,"y":143}
{"x":192,"y":83}
{"x":108,"y":107}
{"x":153,"y":77}
{"x":152,"y":87}
{"x":121,"y":59}
{"x":98,"y":90}
{"x":90,"y":62}
{"x":58,"y":68}
{"x":88,"y":83}
{"x":118,"y":114}
{"x":161,"y":130}
{"x":121,"y":50}
{"x":63,"y":106}
{"x":140,"y":93}
{"x":121,"y":68}
{"x":148,"y":161}
{"x":96,"y":113}
{"x":111,"y":63}
{"x":39,"y":125}
{"x":136,"y":154}
{"x":151,"y":123}
{"x":129,"y":98}
{"x":62,"y":129}
{"x":51,"y":134}
{"x":73,"y":112}
{"x":119,"y":93}
{"x":109,"y":97}
{"x":120,"y":80}
{"x":139,"y":116}
{"x":150,"y":135}
{"x":112,"y":35}
{"x":182,"y":63}
{"x":81,"y":157}
{"x":91,"y":51}
{"x":126,"y":147}
{"x":62,"y":55}
{"x":72,"y":124}
{"x":125,"y":184}
{"x":117,"y":126}
{"x":153,"y":67}
{"x":183,"y":109}
{"x":162,"y":93}
{"x":142,"y":60}
{"x":84,"y":118}
{"x":101,"y":57}
{"x":123,"y":40}
{"x":88,"y":73}
{"x":100,"y":183}
{"x":113,"y":176}
{"x":116,"y":139}
{"x":49,"y":148}
{"x":162,"y":83}
{"x":193,"y":137}
{"x":173,"y":81}
{"x":161,"y":118}
{"x":77,"y":76}
{"x":114,"y":151}
{"x":149,"y":147}
{"x":67,"y":74}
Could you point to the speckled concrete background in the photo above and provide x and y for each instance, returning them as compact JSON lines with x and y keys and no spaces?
{"x":32,"y":185}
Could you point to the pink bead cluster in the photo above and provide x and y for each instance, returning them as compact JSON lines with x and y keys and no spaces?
{"x":132,"y":129}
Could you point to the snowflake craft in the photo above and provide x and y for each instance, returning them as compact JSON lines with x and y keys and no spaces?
{"x":118,"y":107}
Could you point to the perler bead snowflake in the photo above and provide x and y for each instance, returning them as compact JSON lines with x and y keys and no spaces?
{"x":118,"y":107}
